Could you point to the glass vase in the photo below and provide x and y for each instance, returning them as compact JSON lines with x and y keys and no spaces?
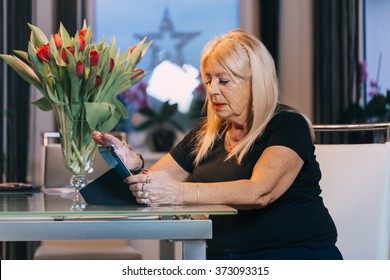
{"x":78,"y":182}
{"x":77,"y":145}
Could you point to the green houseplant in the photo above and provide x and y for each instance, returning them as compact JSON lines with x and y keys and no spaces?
{"x":378,"y":108}
{"x":162,"y":124}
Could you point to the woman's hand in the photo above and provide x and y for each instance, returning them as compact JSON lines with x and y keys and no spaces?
{"x":155,"y":188}
{"x":131,"y":160}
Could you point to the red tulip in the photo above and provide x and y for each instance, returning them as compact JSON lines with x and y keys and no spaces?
{"x":98,"y":80}
{"x":83,"y":32}
{"x":111,"y":65}
{"x":44,"y":53}
{"x":131,"y":51}
{"x":82,"y":43}
{"x":57,"y":40}
{"x":94,"y":57}
{"x":80,"y":68}
{"x":139,"y":72}
{"x":64,"y":55}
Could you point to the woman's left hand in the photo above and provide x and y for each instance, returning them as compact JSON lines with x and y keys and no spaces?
{"x":129,"y":157}
{"x":155,"y":188}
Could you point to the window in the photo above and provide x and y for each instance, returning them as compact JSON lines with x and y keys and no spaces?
{"x":179,"y":30}
{"x":377,"y":44}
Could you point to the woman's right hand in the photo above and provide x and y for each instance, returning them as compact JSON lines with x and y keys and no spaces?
{"x":155,"y":188}
{"x":131,"y":160}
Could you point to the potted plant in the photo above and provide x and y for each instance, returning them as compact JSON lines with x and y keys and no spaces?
{"x":378,"y":109}
{"x":163,"y":125}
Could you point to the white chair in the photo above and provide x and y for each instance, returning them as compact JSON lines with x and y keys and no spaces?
{"x":54,"y":175}
{"x":356,"y":190}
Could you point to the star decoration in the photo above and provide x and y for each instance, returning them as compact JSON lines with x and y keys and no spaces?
{"x":168,"y":44}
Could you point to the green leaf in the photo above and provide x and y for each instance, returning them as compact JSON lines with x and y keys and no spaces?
{"x":51,"y":94}
{"x":137,"y":54}
{"x":66,"y":39}
{"x":55,"y":54}
{"x":97,"y":113}
{"x":76,"y":109}
{"x":111,"y":123}
{"x":24,"y":71}
{"x":168,"y":110}
{"x":35,"y":61}
{"x":116,"y":78}
{"x":43,"y":104}
{"x":148,"y":112}
{"x":37,"y":37}
{"x":376,"y":107}
{"x":23,"y":55}
{"x":145,"y":125}
{"x":112,"y":48}
{"x":120,"y":107}
{"x":73,"y":78}
{"x":138,"y":79}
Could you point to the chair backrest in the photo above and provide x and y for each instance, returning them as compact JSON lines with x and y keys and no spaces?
{"x":356,"y":190}
{"x":54,"y":172}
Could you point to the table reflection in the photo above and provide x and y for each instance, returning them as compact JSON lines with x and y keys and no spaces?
{"x":68,"y":203}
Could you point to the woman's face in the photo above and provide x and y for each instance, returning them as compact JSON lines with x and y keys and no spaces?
{"x":228,"y":96}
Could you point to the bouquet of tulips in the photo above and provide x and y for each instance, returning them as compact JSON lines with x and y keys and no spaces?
{"x":81,"y":75}
{"x":79,"y":79}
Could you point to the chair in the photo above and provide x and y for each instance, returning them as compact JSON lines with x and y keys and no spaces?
{"x":356,"y":190}
{"x":55,"y":175}
{"x":86,"y":250}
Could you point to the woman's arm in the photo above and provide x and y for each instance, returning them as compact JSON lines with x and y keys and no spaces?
{"x":273,"y":174}
{"x":171,"y":167}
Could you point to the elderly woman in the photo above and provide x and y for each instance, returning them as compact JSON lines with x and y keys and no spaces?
{"x":250,"y":152}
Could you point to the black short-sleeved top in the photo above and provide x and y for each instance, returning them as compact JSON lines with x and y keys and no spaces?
{"x":297,"y":218}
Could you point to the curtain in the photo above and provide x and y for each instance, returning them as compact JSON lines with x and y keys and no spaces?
{"x":336,"y":61}
{"x":15,"y":102}
{"x":269,"y":27}
{"x":336,"y":65}
{"x":71,"y":13}
{"x":18,"y":99}
{"x":2,"y":107}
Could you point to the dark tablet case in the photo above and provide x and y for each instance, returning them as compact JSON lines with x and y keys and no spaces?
{"x":108,"y":189}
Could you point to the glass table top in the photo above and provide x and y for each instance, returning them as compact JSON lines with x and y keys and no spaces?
{"x":66,"y":203}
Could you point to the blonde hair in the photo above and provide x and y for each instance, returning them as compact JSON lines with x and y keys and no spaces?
{"x":244,"y":57}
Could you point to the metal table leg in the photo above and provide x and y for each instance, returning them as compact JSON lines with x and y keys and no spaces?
{"x":194,"y":249}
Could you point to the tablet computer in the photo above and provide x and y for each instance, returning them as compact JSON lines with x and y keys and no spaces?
{"x":109,"y":188}
{"x":114,"y":161}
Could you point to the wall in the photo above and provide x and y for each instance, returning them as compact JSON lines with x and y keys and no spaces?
{"x":249,"y":16}
{"x":296,"y":55}
{"x":40,"y":121}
